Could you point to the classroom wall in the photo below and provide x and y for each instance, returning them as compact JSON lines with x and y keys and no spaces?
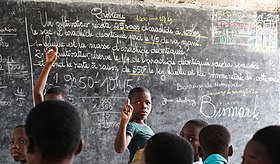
{"x":260,"y":5}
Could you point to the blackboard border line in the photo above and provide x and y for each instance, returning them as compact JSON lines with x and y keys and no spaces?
{"x":30,"y":58}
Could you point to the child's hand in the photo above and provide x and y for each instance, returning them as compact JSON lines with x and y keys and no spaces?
{"x":127,"y":111}
{"x":51,"y":54}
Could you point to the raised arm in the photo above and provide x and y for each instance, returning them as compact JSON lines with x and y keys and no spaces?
{"x":51,"y":54}
{"x":123,"y":139}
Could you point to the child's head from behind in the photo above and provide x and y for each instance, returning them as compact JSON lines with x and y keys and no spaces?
{"x":190,"y":131}
{"x":54,"y":132}
{"x":140,"y":99}
{"x":264,"y":147}
{"x":56,"y":93}
{"x":215,"y":139}
{"x":167,"y":148}
{"x":18,"y":143}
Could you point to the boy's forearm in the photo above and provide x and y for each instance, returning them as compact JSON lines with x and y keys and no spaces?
{"x":41,"y":83}
{"x":120,"y":141}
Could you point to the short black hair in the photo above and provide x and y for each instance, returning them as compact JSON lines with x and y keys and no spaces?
{"x":270,"y":138}
{"x":214,"y":138}
{"x":57,"y":91}
{"x":166,"y":148}
{"x":55,"y":128}
{"x":137,"y":90}
{"x":197,"y":122}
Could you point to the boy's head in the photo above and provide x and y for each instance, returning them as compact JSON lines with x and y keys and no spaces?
{"x":166,"y":148}
{"x":18,"y":143}
{"x":140,"y":99}
{"x":56,"y":93}
{"x":54,"y":132}
{"x":190,"y":131}
{"x":215,"y":139}
{"x":264,"y":147}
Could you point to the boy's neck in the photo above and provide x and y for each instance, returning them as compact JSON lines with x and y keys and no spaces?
{"x":139,"y":121}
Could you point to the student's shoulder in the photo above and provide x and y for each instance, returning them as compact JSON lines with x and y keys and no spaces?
{"x":132,"y":124}
{"x":137,"y":125}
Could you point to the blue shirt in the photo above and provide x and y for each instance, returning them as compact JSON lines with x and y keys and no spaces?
{"x":215,"y":159}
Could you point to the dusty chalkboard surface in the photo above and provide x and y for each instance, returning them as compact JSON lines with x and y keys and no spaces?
{"x":218,"y":65}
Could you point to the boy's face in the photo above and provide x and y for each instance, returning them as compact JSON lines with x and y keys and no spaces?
{"x":191,"y":133}
{"x":142,"y":105}
{"x":18,"y":144}
{"x":256,"y":153}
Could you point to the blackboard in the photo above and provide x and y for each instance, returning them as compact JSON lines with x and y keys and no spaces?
{"x":218,"y":65}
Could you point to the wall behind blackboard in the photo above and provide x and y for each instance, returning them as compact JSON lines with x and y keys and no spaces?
{"x":218,"y":65}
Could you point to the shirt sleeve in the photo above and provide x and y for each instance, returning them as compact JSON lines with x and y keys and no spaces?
{"x":131,"y":129}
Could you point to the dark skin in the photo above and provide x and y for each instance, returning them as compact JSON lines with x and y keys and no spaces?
{"x":18,"y":144}
{"x":256,"y":153}
{"x":191,"y":133}
{"x":141,"y":103}
{"x":51,"y":54}
{"x":227,"y":153}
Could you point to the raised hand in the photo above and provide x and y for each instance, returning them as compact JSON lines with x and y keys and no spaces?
{"x":127,"y":111}
{"x":51,"y":54}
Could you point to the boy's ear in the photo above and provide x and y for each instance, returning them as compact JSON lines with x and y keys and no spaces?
{"x":199,"y":151}
{"x":80,"y":147}
{"x":230,"y":151}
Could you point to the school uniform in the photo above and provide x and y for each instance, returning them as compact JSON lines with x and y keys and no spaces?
{"x":140,"y":134}
{"x":215,"y":159}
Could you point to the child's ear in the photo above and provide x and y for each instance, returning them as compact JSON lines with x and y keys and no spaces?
{"x":80,"y":147}
{"x":230,"y":151}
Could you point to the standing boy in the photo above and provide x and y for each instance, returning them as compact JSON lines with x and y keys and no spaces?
{"x":133,"y":131}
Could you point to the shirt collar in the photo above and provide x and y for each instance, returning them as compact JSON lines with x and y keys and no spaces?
{"x":215,"y":157}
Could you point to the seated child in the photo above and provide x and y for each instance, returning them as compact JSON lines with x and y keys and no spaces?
{"x":167,"y":148}
{"x":264,"y":147}
{"x":190,"y":131}
{"x":18,"y":144}
{"x":53,"y":129}
{"x":215,"y":145}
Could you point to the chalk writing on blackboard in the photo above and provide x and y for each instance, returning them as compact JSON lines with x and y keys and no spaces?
{"x":267,"y":30}
{"x":209,"y":64}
